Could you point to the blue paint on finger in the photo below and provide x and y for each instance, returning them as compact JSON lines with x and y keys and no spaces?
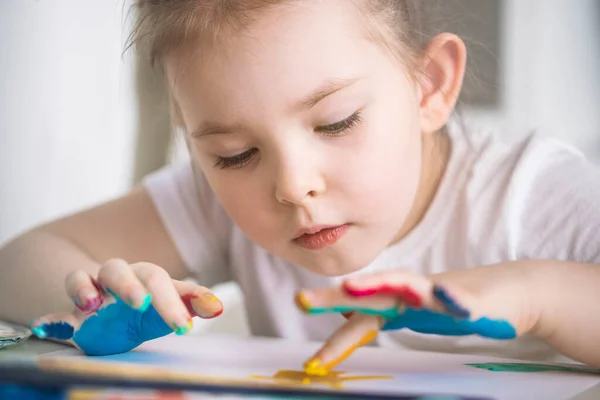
{"x":118,"y":328}
{"x":54,"y":330}
{"x":145,"y":304}
{"x":450,"y":305}
{"x":430,"y":322}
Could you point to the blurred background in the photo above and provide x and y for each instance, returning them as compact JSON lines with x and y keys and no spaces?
{"x":81,"y":122}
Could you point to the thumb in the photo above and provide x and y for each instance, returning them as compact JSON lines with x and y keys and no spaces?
{"x":59,"y":326}
{"x":358,"y":331}
{"x":199,"y":300}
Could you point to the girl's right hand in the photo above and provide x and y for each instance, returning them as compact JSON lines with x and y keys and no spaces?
{"x":126,"y":306}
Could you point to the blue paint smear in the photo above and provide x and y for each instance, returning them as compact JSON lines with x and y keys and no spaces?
{"x":118,"y":328}
{"x":426,"y":321}
{"x":54,"y":330}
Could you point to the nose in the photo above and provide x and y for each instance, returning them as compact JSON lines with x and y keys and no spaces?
{"x":299,"y":181}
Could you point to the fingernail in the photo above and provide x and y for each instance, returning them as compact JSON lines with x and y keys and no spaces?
{"x":182,"y":326}
{"x":88,"y":300}
{"x":315,"y":367}
{"x":216,"y":302}
{"x":211,"y":297}
{"x":450,"y":305}
{"x":302,"y":302}
{"x":54,"y":330}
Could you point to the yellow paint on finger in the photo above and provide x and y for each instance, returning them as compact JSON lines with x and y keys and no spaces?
{"x":302,"y":302}
{"x":315,"y":367}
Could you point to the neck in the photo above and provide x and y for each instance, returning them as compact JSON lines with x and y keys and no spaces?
{"x":436,"y":152}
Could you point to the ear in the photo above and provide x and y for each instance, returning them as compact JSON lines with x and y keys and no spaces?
{"x":440,"y":81}
{"x":176,"y":117}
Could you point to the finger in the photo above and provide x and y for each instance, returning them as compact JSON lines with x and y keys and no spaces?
{"x":199,"y":300}
{"x":413,"y":289}
{"x":335,"y":300}
{"x":119,"y":279}
{"x":385,"y":294}
{"x":84,"y":291}
{"x":61,"y":326}
{"x":358,"y":331}
{"x":167,"y":300}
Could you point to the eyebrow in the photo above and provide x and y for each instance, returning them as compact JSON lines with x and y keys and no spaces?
{"x":325,"y":90}
{"x":330,"y":87}
{"x":211,"y":128}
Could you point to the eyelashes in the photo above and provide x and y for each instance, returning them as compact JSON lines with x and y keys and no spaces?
{"x":237,"y":161}
{"x":338,"y":128}
{"x":332,"y":130}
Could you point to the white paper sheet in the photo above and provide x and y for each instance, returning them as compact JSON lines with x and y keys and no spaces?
{"x":412,"y":372}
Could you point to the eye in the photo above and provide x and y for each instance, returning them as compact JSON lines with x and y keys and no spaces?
{"x":237,"y":161}
{"x":337,"y":128}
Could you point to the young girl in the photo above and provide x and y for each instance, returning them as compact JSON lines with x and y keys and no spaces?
{"x":324,"y":159}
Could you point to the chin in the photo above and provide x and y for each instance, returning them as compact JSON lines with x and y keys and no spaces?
{"x":332,"y":267}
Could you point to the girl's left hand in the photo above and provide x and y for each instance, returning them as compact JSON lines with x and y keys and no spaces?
{"x":491,"y":302}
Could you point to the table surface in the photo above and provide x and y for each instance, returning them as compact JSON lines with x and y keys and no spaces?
{"x":34,"y":346}
{"x":31,"y":346}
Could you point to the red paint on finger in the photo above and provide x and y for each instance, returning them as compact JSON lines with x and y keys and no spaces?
{"x":91,"y":305}
{"x":215,"y":315}
{"x":187,"y":300}
{"x":404,"y":292}
{"x":347,"y":315}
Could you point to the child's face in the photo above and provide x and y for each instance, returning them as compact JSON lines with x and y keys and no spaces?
{"x":302,"y":122}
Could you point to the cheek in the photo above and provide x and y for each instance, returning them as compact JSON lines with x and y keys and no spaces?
{"x":385,"y":169}
{"x":245,"y":202}
{"x":237,"y":195}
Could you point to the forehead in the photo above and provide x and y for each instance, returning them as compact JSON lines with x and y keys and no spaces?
{"x":286,"y":51}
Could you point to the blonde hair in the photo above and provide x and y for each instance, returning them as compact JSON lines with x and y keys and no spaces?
{"x":165,"y":27}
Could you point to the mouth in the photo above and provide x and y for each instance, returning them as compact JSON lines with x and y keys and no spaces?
{"x":320,"y":237}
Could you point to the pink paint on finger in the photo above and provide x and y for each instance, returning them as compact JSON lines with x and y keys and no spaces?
{"x":90,"y":305}
{"x":404,"y":292}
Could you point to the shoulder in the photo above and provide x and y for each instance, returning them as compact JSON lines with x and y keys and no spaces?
{"x":539,"y":193}
{"x":518,"y":166}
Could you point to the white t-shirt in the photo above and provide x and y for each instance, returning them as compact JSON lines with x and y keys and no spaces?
{"x":537,"y":198}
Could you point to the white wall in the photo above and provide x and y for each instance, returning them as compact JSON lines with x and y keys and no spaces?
{"x":550,"y":63}
{"x":69,"y":108}
{"x":552,"y":70}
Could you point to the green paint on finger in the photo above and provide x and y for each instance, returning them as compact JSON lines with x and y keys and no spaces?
{"x":145,"y":303}
{"x":390,"y":313}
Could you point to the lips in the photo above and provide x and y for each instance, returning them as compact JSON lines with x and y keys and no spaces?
{"x":320,"y":237}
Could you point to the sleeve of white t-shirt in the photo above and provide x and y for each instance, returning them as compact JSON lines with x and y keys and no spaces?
{"x":194,"y":219}
{"x":561,"y":215}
